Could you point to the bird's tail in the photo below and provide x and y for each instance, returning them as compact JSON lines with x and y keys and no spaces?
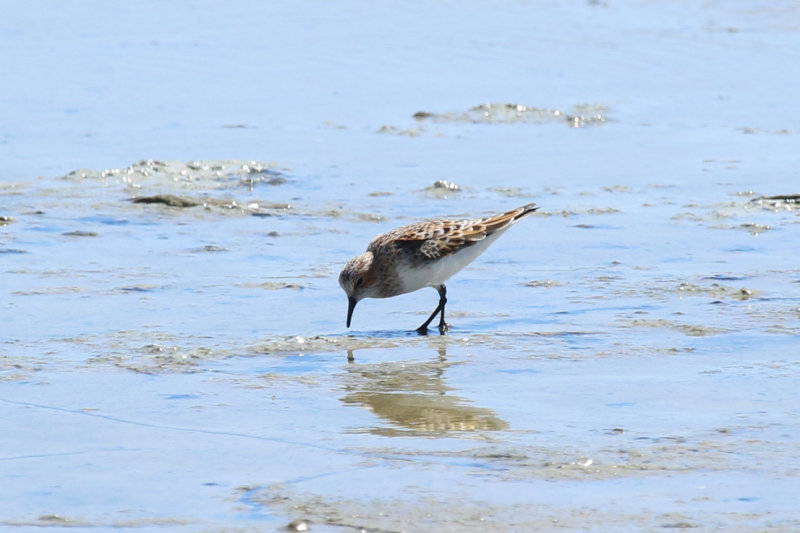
{"x":525,"y":210}
{"x":504,"y":220}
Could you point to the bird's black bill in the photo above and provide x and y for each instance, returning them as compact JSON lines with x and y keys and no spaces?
{"x":351,"y":304}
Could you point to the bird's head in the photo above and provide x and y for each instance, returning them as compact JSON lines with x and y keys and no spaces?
{"x":358,"y":281}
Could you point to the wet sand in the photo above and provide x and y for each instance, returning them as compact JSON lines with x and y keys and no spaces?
{"x":174,"y":354}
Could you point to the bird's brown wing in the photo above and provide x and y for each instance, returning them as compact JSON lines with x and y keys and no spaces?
{"x":438,"y":238}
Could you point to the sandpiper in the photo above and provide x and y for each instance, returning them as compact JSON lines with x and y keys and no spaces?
{"x":419,"y":255}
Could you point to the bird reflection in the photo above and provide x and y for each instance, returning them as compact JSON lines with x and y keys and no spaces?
{"x":414,"y":399}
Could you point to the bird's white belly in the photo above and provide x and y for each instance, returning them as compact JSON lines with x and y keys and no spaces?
{"x":438,"y":271}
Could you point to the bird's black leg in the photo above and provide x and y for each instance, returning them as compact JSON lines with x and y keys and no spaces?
{"x":443,"y":327}
{"x":423,"y":329}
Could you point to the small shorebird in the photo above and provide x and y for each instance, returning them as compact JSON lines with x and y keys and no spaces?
{"x":419,"y":255}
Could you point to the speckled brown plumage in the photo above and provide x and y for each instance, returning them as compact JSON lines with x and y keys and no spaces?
{"x":422,"y":254}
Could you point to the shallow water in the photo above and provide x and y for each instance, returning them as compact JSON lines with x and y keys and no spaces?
{"x":176,"y":203}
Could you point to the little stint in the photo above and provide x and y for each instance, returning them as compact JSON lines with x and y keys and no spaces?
{"x":419,"y":255}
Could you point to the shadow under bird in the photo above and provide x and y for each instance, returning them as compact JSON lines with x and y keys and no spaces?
{"x":420,"y":255}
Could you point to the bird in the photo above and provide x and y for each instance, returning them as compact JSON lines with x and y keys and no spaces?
{"x":424,"y":254}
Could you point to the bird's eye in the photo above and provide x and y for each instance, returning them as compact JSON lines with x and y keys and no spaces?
{"x":359,"y":282}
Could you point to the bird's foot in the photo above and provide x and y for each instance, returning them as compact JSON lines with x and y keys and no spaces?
{"x":444,"y":329}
